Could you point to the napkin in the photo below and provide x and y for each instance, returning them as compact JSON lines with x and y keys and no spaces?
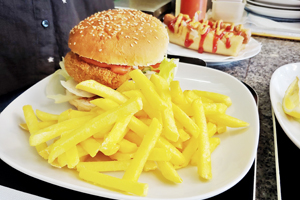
{"x":264,"y":26}
{"x":9,"y":194}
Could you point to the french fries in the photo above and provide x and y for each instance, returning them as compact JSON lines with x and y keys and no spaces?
{"x":144,"y":125}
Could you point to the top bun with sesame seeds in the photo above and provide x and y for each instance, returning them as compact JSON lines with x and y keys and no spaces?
{"x":120,"y":36}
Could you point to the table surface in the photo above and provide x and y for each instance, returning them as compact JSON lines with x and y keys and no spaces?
{"x":256,"y":72}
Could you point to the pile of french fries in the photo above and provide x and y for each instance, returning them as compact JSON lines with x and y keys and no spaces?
{"x":144,"y":125}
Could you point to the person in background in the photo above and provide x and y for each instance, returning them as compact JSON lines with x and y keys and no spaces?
{"x":34,"y":38}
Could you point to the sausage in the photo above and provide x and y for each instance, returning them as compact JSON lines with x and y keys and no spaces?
{"x":168,"y":18}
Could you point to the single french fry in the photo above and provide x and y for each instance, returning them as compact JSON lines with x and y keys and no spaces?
{"x":140,"y":157}
{"x":101,"y":90}
{"x":81,"y":151}
{"x":44,"y":116}
{"x":91,"y":146}
{"x":227,"y":120}
{"x":64,"y":115}
{"x":213,"y":143}
{"x":105,"y":104}
{"x":162,"y":87}
{"x":104,"y":180}
{"x":138,"y":126}
{"x":169,"y":172}
{"x":126,"y":86}
{"x":160,"y":154}
{"x":177,"y":157}
{"x":56,"y":130}
{"x":189,"y":151}
{"x":184,"y":136}
{"x":146,"y":105}
{"x":103,"y":132}
{"x":110,"y":144}
{"x":72,"y":157}
{"x":190,"y":96}
{"x":216,"y":97}
{"x":204,"y":163}
{"x":133,"y":137}
{"x":214,"y":108}
{"x":221,"y":129}
{"x":211,"y":129}
{"x":32,"y":123}
{"x":42,"y":124}
{"x":92,"y":126}
{"x":148,"y":89}
{"x":127,"y":146}
{"x":185,"y":120}
{"x":176,"y":93}
{"x":104,"y":166}
{"x":62,"y":160}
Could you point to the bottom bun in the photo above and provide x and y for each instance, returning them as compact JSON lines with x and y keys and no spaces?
{"x":82,"y":71}
{"x":82,"y":104}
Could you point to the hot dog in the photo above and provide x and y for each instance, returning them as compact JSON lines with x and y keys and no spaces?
{"x":207,"y":35}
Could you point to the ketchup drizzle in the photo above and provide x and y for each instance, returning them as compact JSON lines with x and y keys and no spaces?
{"x":215,"y":41}
{"x":188,"y":41}
{"x":203,"y":36}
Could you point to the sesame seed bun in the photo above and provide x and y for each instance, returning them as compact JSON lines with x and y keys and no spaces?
{"x":120,"y":36}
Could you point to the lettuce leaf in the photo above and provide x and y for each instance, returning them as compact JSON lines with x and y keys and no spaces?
{"x":168,"y":69}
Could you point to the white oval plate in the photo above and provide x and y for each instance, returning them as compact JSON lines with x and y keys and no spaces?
{"x":251,"y":50}
{"x":274,"y":6}
{"x":280,"y":81}
{"x":280,"y":2}
{"x":230,"y":161}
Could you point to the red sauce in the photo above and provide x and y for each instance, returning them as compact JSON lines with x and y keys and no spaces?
{"x":118,"y":69}
{"x":215,"y":41}
{"x":188,"y":41}
{"x":203,"y":36}
{"x":228,"y":43}
{"x":172,"y":24}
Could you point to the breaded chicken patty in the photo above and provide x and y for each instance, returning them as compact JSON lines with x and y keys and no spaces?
{"x":82,"y":71}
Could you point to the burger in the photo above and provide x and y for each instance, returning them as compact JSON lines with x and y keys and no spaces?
{"x":106,"y":46}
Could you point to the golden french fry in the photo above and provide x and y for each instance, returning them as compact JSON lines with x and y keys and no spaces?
{"x":146,"y":105}
{"x":160,"y":154}
{"x":204,"y":163}
{"x":127,"y":146}
{"x":91,"y":146}
{"x":185,"y":120}
{"x":92,"y":126}
{"x":126,"y":86}
{"x":72,"y":157}
{"x":148,"y":89}
{"x":214,"y":108}
{"x":211,"y":129}
{"x":227,"y":120}
{"x":104,"y":180}
{"x":103,"y":132}
{"x":176,"y":93}
{"x":140,"y":157}
{"x":104,"y":166}
{"x":133,"y":137}
{"x":169,"y":172}
{"x":32,"y":123}
{"x":56,"y":130}
{"x":42,"y":125}
{"x":44,"y":116}
{"x":184,"y":136}
{"x":101,"y":90}
{"x":189,"y":151}
{"x":110,"y":144}
{"x":62,"y":160}
{"x":105,"y":104}
{"x":221,"y":129}
{"x":190,"y":96}
{"x":216,"y":97}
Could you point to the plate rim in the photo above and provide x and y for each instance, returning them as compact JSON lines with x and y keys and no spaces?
{"x":114,"y":195}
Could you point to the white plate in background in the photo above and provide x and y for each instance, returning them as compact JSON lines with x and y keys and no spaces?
{"x":231,"y":160}
{"x":280,"y":81}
